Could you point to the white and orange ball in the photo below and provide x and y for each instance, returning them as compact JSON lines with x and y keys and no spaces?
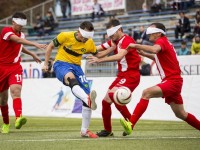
{"x":122,"y":95}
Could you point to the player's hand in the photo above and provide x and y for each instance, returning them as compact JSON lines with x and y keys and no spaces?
{"x":45,"y":68}
{"x":37,"y":59}
{"x":141,"y":52}
{"x":41,"y":46}
{"x":92,"y":59}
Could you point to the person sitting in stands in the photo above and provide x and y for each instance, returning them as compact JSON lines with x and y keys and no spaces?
{"x":97,"y":10}
{"x":183,"y":50}
{"x":182,"y":26}
{"x":195,"y":48}
{"x":39,"y":25}
{"x":49,"y":23}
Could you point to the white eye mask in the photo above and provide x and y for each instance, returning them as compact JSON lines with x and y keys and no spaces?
{"x":19,"y":21}
{"x":86,"y":34}
{"x":112,"y":30}
{"x":151,"y":30}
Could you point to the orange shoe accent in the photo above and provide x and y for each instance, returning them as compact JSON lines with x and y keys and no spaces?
{"x":89,"y":134}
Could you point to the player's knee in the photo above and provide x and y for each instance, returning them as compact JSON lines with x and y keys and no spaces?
{"x":146,"y":94}
{"x":181,"y":115}
{"x":15,"y":92}
{"x":72,"y":82}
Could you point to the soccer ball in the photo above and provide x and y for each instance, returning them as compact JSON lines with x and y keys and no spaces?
{"x":122,"y":96}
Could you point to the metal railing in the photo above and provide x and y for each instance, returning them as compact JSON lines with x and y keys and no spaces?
{"x":41,"y":9}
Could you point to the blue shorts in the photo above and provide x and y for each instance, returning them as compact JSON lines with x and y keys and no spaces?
{"x":62,"y":68}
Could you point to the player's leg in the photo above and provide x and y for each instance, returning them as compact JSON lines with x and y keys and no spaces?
{"x":77,"y":90}
{"x":4,"y":111}
{"x":180,"y":113}
{"x":15,"y":91}
{"x":106,"y":115}
{"x":141,"y":107}
{"x":15,"y":83}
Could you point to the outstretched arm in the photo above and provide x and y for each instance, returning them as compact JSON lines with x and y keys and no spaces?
{"x":35,"y":57}
{"x":26,"y":42}
{"x":49,"y":49}
{"x":116,"y":57}
{"x":147,"y":48}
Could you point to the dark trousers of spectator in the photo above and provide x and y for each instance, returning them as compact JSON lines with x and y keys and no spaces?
{"x":64,"y":9}
{"x":180,"y":30}
{"x":97,"y":15}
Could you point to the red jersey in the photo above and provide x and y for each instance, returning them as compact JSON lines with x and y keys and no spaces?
{"x":9,"y":50}
{"x":131,"y":60}
{"x":166,"y":60}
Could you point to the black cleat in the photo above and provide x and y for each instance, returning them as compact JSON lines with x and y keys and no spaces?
{"x":124,"y":134}
{"x":104,"y":133}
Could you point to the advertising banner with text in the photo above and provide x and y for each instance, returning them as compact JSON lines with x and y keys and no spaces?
{"x":80,"y":7}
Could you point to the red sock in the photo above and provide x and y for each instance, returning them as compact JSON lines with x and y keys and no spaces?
{"x":139,"y":110}
{"x":122,"y":109}
{"x":193,"y":121}
{"x":4,"y":112}
{"x":106,"y":114}
{"x":17,"y":106}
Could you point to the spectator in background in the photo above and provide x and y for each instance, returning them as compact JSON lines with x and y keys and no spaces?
{"x":144,"y":6}
{"x":197,"y":16}
{"x":197,"y":29}
{"x":64,"y":4}
{"x":143,"y":38}
{"x":49,"y":23}
{"x":38,"y":26}
{"x":183,"y":50}
{"x":156,"y":6}
{"x":97,"y":10}
{"x":195,"y":48}
{"x":182,"y":26}
{"x":132,"y":33}
{"x":105,"y":38}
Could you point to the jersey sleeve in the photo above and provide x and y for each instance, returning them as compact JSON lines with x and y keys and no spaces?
{"x":61,"y":38}
{"x":161,"y":43}
{"x":106,"y":45}
{"x":6,"y":33}
{"x":126,"y":43}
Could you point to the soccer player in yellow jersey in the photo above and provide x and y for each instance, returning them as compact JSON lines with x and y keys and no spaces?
{"x":71,"y":47}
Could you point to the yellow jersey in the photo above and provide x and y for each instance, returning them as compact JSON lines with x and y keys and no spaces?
{"x":70,"y":49}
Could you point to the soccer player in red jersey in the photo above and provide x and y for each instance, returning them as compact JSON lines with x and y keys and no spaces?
{"x":163,"y":53}
{"x":11,"y":41}
{"x":128,"y":72}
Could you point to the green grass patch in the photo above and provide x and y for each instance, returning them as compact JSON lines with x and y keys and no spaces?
{"x":64,"y":133}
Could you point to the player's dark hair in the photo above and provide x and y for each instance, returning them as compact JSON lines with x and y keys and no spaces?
{"x":19,"y":15}
{"x":87,"y":25}
{"x":159,"y":26}
{"x":113,"y":23}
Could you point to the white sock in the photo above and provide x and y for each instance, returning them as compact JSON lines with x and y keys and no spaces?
{"x":86,"y":117}
{"x":80,"y":93}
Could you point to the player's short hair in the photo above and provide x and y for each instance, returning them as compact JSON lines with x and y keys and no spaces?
{"x":113,"y":23}
{"x":159,"y":26}
{"x":87,"y":25}
{"x":20,"y":15}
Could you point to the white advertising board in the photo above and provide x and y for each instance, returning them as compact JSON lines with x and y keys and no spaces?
{"x":43,"y":97}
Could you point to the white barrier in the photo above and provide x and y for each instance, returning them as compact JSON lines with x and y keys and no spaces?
{"x":39,"y":97}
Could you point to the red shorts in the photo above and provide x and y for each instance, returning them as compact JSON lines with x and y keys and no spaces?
{"x":172,"y":90}
{"x":10,"y":75}
{"x":130,"y":79}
